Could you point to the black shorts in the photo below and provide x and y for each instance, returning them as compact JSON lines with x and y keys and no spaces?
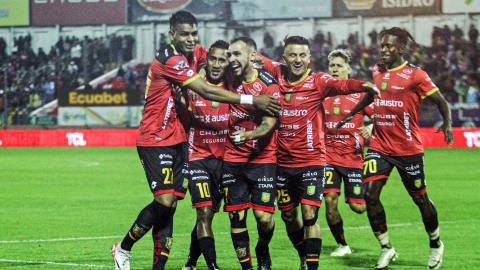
{"x":300,"y":185}
{"x":352,"y":180}
{"x":205,"y":183}
{"x":248,"y":185}
{"x":378,"y":166}
{"x":165,"y":168}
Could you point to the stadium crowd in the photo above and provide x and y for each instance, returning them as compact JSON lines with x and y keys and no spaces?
{"x":453,"y":62}
{"x":33,"y":78}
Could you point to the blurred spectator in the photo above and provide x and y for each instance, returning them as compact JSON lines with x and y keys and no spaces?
{"x":373,"y":37}
{"x":472,"y":34}
{"x":457,"y":33}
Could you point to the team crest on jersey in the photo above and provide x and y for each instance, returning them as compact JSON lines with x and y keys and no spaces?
{"x":311,"y":190}
{"x":418,"y":183}
{"x":265,"y":197}
{"x":181,"y":63}
{"x":336,"y":110}
{"x":288,"y":97}
{"x":357,"y":190}
{"x":185,"y":183}
{"x":383,"y":86}
{"x":215,"y":104}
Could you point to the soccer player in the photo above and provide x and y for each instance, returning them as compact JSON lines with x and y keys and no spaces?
{"x":396,"y":141}
{"x":207,"y":137}
{"x":161,"y":140}
{"x":249,"y":167}
{"x":344,"y":151}
{"x":301,"y":147}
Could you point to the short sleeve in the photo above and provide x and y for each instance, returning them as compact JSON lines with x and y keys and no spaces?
{"x":424,"y":85}
{"x":271,"y":67}
{"x":177,"y":69}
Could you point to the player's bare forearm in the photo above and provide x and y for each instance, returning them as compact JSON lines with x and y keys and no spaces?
{"x":265,"y":103}
{"x":444,"y":109}
{"x":367,"y":99}
{"x":267,"y":126}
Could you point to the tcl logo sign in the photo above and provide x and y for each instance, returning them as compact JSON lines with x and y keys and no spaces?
{"x":76,"y":139}
{"x":164,"y":6}
{"x":473,"y":138}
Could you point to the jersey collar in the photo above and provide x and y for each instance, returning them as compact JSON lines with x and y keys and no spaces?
{"x":399,"y":67}
{"x":301,"y":79}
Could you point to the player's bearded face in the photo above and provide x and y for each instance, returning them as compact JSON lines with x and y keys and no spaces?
{"x":240,"y":58}
{"x":216,"y":63}
{"x":184,"y":38}
{"x":297,"y":58}
{"x":339,"y":69}
{"x":391,"y":50}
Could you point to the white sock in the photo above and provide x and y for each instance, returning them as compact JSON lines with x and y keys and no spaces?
{"x":383,"y":239}
{"x":435,"y":234}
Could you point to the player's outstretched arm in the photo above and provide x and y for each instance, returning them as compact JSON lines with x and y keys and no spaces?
{"x":444,"y":109}
{"x":268,"y":125}
{"x":265,"y":103}
{"x":367,"y":99}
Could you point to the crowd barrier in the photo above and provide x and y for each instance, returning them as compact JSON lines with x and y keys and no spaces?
{"x":468,"y":138}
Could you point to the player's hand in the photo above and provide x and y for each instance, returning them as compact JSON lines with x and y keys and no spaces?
{"x":177,"y":94}
{"x":259,"y":62}
{"x":240,"y":137}
{"x":366,"y":131}
{"x":369,"y":87}
{"x":267,"y":103}
{"x":343,"y":122}
{"x":446,"y":127}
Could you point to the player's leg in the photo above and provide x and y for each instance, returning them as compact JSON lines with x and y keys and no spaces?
{"x":195,"y":252}
{"x":334,"y":219}
{"x":265,"y":228}
{"x":375,"y":174}
{"x":312,"y":183}
{"x":237,"y":200}
{"x":201,"y":185}
{"x":295,"y":231}
{"x":162,"y":235}
{"x":262,"y":178}
{"x":160,"y":179}
{"x":412,"y":172}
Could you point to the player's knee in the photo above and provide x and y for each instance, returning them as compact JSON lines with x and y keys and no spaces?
{"x":237,"y":221}
{"x":358,"y":208}
{"x":289,"y":216}
{"x":420,"y":200}
{"x":310,"y":216}
{"x":370,"y":197}
{"x":265,"y":222}
{"x":204,"y":214}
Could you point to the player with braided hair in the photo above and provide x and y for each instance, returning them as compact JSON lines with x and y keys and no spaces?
{"x":396,"y":141}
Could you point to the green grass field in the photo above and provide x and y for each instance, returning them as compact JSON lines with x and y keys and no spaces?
{"x":63,"y":208}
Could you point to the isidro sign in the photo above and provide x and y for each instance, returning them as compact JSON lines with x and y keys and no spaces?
{"x":164,"y":6}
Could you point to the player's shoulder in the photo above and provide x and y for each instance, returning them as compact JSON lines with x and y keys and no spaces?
{"x":266,"y":78}
{"x":166,"y":53}
{"x":321,"y":76}
{"x":412,"y":66}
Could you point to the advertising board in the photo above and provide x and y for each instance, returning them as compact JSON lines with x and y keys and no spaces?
{"x":14,"y":13}
{"x":353,"y":8}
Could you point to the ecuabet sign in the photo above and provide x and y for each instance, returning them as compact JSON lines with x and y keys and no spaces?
{"x":77,"y":12}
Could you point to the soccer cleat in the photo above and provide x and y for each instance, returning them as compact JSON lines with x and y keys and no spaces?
{"x":264,"y":262}
{"x":341,"y":251}
{"x":120,"y":257}
{"x":387,"y":255}
{"x":436,"y":257}
{"x":213,"y":266}
{"x":189,"y":267}
{"x":303,"y":263}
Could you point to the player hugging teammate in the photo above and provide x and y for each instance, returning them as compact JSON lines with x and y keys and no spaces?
{"x":224,"y":144}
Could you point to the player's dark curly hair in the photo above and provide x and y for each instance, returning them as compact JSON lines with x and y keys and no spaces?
{"x":249,"y":41}
{"x":340,"y":53}
{"x":296,"y":40}
{"x":182,"y":17}
{"x":402,"y":35}
{"x":220,"y":44}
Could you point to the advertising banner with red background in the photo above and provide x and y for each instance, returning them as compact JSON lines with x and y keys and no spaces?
{"x":466,"y":138}
{"x":77,"y":12}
